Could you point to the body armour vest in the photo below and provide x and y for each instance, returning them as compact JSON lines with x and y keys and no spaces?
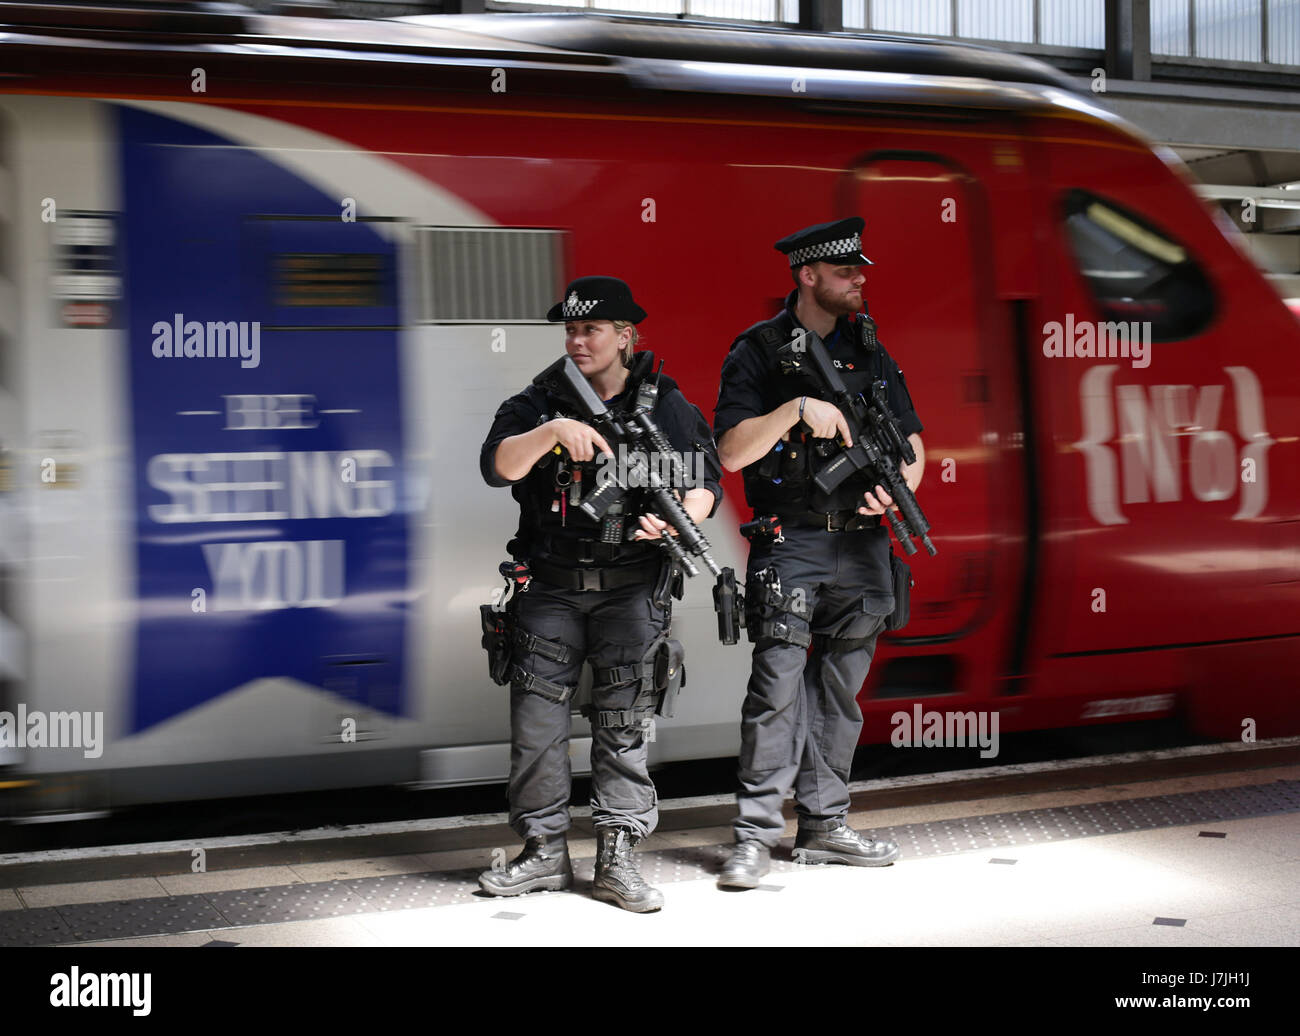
{"x":550,"y":522}
{"x":781,"y":481}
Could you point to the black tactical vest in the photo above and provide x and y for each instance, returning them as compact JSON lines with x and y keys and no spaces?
{"x":781,"y":481}
{"x":551,"y":525}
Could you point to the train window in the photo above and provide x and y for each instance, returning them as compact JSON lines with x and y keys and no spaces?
{"x":332,"y":279}
{"x":497,"y":274}
{"x":1136,"y":272}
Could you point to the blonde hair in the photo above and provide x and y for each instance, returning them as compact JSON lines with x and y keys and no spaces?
{"x":626,"y":354}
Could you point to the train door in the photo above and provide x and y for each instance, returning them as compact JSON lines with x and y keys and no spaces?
{"x":1169,"y":392}
{"x":931,"y":291}
{"x":60,"y":443}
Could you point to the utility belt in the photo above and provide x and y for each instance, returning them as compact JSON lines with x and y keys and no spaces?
{"x":847,"y":520}
{"x":661,"y":672}
{"x":609,"y":578}
{"x":587,"y":551}
{"x":587,"y":564}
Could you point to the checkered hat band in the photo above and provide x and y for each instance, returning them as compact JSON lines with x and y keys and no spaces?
{"x":811,"y":253}
{"x":575,"y":307}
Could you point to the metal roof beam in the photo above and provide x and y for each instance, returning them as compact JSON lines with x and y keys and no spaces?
{"x":1264,"y":197}
{"x":821,"y":15}
{"x":1128,"y":39}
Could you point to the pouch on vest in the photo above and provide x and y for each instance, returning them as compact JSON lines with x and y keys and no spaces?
{"x":901,"y":576}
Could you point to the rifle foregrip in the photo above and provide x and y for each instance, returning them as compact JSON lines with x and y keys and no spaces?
{"x":678,"y":555}
{"x":688,"y":532}
{"x":900,"y":532}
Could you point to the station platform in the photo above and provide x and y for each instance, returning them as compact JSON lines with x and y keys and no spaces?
{"x":1202,"y":859}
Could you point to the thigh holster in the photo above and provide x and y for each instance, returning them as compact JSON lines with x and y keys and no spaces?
{"x":497,"y":642}
{"x":502,"y":639}
{"x":768,"y":611}
{"x":660,"y":675}
{"x":527,"y":646}
{"x":526,"y":643}
{"x":534,"y":684}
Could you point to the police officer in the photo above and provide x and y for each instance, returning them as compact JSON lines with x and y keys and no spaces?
{"x":587,"y":600}
{"x":826,"y":583}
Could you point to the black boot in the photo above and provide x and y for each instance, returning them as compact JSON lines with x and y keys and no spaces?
{"x":745,"y":869}
{"x":617,"y":880}
{"x":544,"y":864}
{"x":841,"y":844}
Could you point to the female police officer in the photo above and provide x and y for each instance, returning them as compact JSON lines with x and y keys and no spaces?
{"x":587,"y":600}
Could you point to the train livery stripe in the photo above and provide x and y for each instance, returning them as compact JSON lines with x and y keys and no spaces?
{"x":252,"y":103}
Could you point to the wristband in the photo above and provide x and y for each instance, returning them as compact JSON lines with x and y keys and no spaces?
{"x":803,"y":401}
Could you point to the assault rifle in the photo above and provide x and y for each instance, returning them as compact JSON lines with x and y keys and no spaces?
{"x":878,"y":442}
{"x":642,"y":441}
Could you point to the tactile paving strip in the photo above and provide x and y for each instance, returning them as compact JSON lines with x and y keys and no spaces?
{"x":275,"y":904}
{"x":159,"y":915}
{"x":339,"y":898}
{"x":1034,"y":826}
{"x":410,"y":891}
{"x":40,"y":927}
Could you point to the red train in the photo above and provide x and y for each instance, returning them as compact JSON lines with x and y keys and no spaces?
{"x":1110,"y":389}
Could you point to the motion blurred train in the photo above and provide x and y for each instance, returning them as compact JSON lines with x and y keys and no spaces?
{"x":266,"y":279}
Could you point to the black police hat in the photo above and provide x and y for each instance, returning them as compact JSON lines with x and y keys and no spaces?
{"x":597,"y":298}
{"x":838,"y":242}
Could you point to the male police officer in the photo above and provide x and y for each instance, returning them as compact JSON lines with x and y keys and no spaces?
{"x":826,"y":581}
{"x":591,"y":597}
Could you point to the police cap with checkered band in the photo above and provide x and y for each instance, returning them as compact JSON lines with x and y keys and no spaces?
{"x":597,"y":298}
{"x":838,"y":243}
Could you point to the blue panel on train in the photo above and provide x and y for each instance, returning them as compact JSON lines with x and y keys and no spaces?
{"x":265,"y":400}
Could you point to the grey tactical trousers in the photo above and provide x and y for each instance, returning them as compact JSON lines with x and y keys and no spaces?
{"x":609,"y":628}
{"x":800,"y":722}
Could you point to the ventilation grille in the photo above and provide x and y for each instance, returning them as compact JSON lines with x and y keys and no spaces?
{"x":490,"y":274}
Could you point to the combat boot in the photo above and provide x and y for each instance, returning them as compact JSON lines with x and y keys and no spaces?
{"x":543,"y":865}
{"x":617,"y":880}
{"x":842,"y":844}
{"x":745,"y":869}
